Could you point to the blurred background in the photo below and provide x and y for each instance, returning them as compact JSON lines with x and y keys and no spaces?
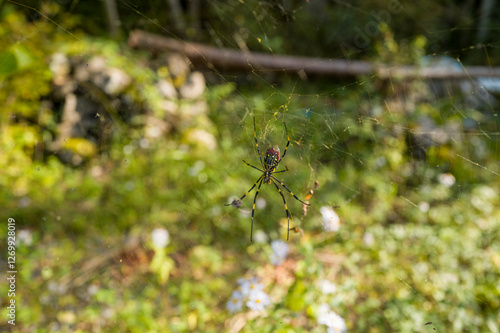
{"x":121,"y":148}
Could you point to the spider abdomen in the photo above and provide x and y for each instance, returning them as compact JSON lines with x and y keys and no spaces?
{"x":272,"y":158}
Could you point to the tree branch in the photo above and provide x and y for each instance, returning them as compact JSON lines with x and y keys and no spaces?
{"x":229,"y":59}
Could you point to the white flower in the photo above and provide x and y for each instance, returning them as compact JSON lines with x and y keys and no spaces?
{"x":337,"y":329}
{"x":242,"y":281}
{"x":258,"y":300}
{"x":235,"y":303}
{"x":333,"y":321}
{"x":327,"y":287}
{"x":424,"y":206}
{"x":93,"y":289}
{"x":331,"y":221}
{"x":368,"y":239}
{"x":280,"y":251}
{"x":250,"y":293}
{"x":447,"y":179}
{"x":26,"y":237}
{"x":249,"y":286}
{"x":24,"y":202}
{"x":261,"y":203}
{"x":260,"y":237}
{"x":160,"y":237}
{"x":280,"y":248}
{"x":323,"y":308}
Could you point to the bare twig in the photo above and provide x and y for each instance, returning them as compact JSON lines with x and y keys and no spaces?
{"x":229,"y":59}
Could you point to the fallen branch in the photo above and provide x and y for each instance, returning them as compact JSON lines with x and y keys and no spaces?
{"x":229,"y":59}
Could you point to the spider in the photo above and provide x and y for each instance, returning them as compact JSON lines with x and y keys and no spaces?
{"x":269,"y":164}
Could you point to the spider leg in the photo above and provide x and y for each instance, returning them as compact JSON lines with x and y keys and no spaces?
{"x":286,"y":208}
{"x":253,"y":166}
{"x":281,"y":183}
{"x":253,"y":208}
{"x":256,"y":143}
{"x":287,"y":144}
{"x":286,"y":169}
{"x":250,"y":190}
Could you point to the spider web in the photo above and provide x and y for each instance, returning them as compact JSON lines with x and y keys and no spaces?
{"x":346,"y":134}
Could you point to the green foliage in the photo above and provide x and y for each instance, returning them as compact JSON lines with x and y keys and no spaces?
{"x":295,"y":298}
{"x":411,"y":248}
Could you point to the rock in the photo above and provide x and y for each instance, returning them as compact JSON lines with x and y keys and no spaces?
{"x":201,"y":137}
{"x":194,"y":86}
{"x":117,"y":81}
{"x":167,"y":89}
{"x":192,"y":110}
{"x":178,"y":65}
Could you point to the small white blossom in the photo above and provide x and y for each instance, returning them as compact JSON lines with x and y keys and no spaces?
{"x":327,"y":287}
{"x":368,"y":239}
{"x":93,"y":289}
{"x":339,"y":328}
{"x":447,"y":179}
{"x":333,"y":321}
{"x":258,"y":300}
{"x":24,"y":202}
{"x":235,"y":303}
{"x":261,"y":203}
{"x":280,"y":251}
{"x":26,"y":237}
{"x":280,"y":248}
{"x":249,"y":293}
{"x":160,"y":237}
{"x":260,"y":237}
{"x":249,"y":286}
{"x":144,"y":143}
{"x":424,"y":206}
{"x":241,"y":281}
{"x":323,"y":308}
{"x":331,"y":221}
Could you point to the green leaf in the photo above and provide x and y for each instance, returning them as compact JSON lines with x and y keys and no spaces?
{"x":15,"y":59}
{"x":295,"y":299}
{"x":8,"y":63}
{"x":23,"y":57}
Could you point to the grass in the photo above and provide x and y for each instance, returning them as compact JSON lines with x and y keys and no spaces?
{"x":417,"y":241}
